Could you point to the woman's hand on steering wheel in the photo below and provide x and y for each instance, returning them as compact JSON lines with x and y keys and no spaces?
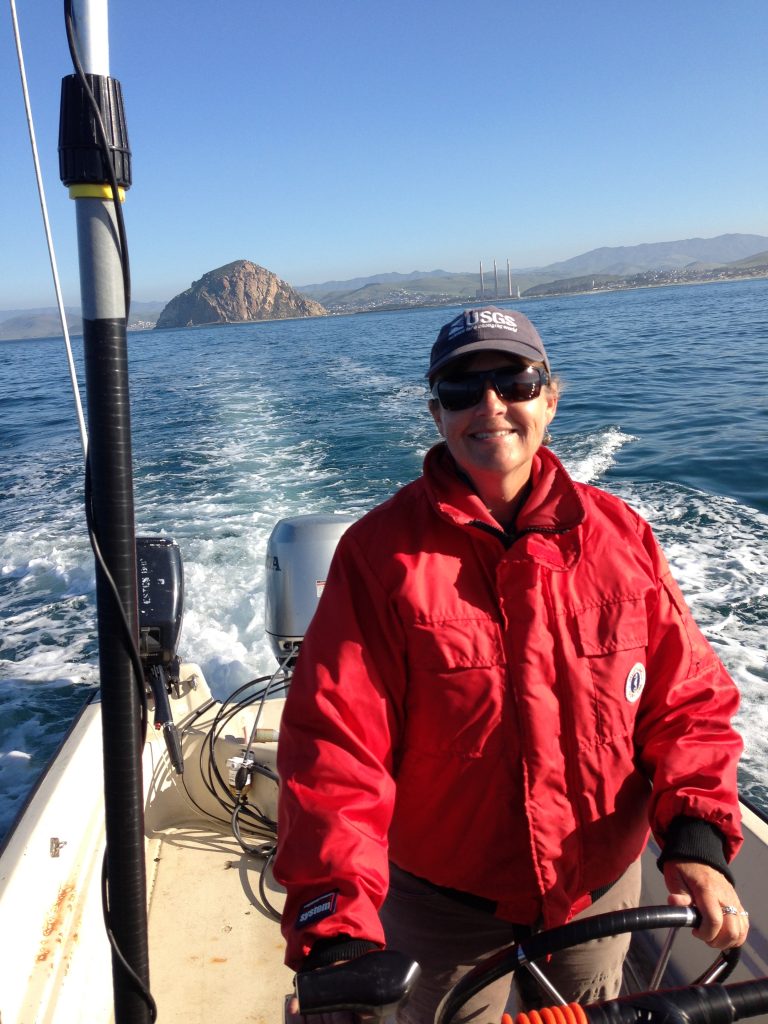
{"x":724,"y":922}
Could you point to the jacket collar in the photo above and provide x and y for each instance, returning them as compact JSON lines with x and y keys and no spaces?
{"x":547,"y":522}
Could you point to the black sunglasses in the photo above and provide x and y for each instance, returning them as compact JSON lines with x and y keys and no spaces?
{"x":509,"y":382}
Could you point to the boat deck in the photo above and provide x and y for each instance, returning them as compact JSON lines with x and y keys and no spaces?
{"x":204,"y":905}
{"x":215,"y":952}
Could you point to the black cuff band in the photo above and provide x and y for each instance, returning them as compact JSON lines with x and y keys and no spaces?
{"x":337,"y":947}
{"x":694,"y":839}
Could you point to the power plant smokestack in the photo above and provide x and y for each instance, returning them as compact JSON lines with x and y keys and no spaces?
{"x":495,"y":280}
{"x":482,"y":285}
{"x":509,"y":281}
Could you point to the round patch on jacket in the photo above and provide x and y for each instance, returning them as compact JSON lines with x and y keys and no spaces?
{"x":635,"y":682}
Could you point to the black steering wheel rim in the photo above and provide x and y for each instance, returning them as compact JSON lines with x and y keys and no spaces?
{"x":600,"y":926}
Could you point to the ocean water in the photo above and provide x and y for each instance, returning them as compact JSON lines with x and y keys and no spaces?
{"x":236,"y":427}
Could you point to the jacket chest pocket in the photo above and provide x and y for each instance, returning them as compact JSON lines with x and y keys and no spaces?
{"x":612,"y":640}
{"x":456,"y":674}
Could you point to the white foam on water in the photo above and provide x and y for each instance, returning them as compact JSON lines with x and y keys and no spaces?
{"x":717,"y":549}
{"x":47,"y":580}
{"x":255,"y":475}
{"x":718,"y":552}
{"x":256,"y":472}
{"x":588,"y":457}
{"x":18,"y":772}
{"x":35,"y":715}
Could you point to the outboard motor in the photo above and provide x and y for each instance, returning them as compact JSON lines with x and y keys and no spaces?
{"x":161,"y":599}
{"x":161,"y":608}
{"x":299,"y":553}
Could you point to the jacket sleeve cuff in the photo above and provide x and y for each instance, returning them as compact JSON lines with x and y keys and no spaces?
{"x":696,"y":840}
{"x":337,"y":947}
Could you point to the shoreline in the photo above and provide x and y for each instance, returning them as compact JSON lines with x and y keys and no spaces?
{"x":147,"y":326}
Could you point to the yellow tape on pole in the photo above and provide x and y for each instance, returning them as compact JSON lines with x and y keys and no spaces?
{"x":95,"y":192}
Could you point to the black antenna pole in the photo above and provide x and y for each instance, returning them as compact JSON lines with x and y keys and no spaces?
{"x":95,"y":164}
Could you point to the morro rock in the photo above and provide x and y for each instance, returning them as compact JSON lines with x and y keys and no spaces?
{"x":240,"y":291}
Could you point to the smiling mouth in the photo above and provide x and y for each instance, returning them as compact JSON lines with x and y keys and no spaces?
{"x":486,"y":435}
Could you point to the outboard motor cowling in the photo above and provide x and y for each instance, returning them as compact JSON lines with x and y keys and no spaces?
{"x":161,"y":598}
{"x":299,"y":553}
{"x":160,"y":581}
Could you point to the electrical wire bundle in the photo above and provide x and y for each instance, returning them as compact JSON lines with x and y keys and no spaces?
{"x":255,"y":831}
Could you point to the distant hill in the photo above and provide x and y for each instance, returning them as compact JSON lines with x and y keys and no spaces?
{"x":25,"y":326}
{"x":607,"y":265}
{"x":390,"y":278}
{"x":567,"y":285}
{"x":422,"y":289}
{"x":381,"y":292}
{"x":235,"y":293}
{"x":438,"y":285}
{"x":29,"y":324}
{"x":625,"y":260}
{"x":760,"y":259}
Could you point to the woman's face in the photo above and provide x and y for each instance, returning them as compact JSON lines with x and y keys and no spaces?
{"x":494,"y":441}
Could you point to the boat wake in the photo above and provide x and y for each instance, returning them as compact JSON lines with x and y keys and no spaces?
{"x":717,"y":549}
{"x":588,"y":457}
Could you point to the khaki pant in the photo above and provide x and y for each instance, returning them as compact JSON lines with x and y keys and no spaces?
{"x":448,"y":938}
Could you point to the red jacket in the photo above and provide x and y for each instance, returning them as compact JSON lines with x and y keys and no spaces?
{"x":502,"y":716}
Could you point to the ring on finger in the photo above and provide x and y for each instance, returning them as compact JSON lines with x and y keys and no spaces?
{"x":727,"y":909}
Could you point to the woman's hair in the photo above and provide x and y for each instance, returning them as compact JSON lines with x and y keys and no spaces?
{"x":556,"y":384}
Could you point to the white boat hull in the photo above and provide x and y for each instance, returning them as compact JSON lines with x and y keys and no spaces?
{"x":214,"y":953}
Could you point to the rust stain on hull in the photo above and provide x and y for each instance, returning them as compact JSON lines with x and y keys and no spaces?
{"x":54,"y":922}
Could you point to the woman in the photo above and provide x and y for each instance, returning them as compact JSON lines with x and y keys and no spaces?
{"x":501,"y":690}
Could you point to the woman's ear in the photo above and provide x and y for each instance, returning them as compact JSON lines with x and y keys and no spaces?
{"x":552,"y":399}
{"x":436,"y":409}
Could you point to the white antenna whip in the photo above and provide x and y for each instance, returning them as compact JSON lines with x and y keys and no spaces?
{"x":48,"y":236}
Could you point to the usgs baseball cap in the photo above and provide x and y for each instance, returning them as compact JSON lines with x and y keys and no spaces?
{"x":487,"y":329}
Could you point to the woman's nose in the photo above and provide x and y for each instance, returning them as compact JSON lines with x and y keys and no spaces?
{"x":491,"y":398}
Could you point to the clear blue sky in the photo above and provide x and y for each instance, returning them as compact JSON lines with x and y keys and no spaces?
{"x":327,"y":139}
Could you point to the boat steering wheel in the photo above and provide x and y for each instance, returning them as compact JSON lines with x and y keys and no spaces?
{"x":373,"y":984}
{"x":600,"y":926}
